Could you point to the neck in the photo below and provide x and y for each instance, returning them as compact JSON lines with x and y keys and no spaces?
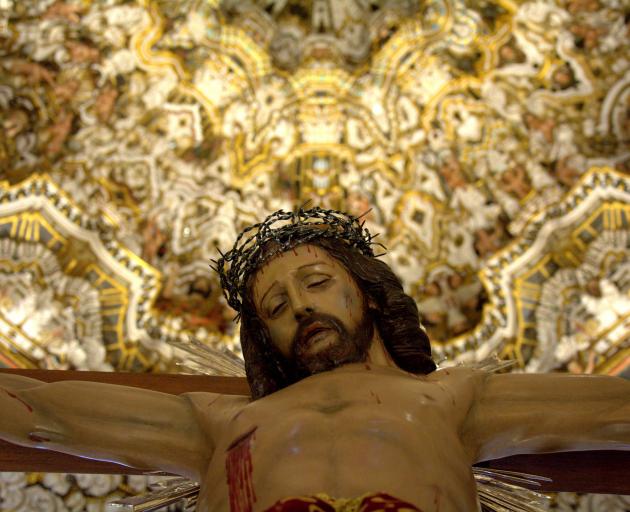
{"x":378,"y":354}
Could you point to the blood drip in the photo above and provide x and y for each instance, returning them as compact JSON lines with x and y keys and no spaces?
{"x":238,"y":466}
{"x":30,"y":409}
{"x":38,"y":439}
{"x":378,"y":400}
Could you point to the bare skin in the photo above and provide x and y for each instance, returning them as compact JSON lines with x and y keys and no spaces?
{"x":361,"y":428}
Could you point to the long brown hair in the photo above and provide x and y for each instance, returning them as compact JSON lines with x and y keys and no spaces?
{"x":396,"y":318}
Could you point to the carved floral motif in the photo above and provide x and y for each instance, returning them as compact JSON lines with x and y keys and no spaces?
{"x":168,"y":127}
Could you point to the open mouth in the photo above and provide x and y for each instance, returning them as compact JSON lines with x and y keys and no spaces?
{"x":319,"y":341}
{"x":317,"y":335}
{"x":314,"y":333}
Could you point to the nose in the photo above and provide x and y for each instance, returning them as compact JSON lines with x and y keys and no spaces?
{"x":300,"y":303}
{"x":302,"y":312}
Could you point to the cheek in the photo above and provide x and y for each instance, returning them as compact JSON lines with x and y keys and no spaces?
{"x":281,"y":337}
{"x":351,"y":303}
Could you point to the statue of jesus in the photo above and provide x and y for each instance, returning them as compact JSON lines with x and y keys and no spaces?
{"x":347,"y":410}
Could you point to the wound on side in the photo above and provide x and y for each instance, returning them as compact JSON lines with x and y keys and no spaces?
{"x":239,"y":468}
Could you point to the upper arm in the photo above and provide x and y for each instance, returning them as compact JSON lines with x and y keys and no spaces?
{"x":131,"y":426}
{"x":529,"y":413}
{"x":462,"y":386}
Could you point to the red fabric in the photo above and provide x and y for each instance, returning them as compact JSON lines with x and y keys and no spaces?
{"x":302,"y":505}
{"x":379,"y":502}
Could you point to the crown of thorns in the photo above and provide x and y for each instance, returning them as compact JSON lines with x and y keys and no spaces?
{"x":252,"y":247}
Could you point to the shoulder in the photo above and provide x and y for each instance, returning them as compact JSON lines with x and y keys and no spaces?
{"x":214,"y":410}
{"x":464,"y":384}
{"x":456,"y":376}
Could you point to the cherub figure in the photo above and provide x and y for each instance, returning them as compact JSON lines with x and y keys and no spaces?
{"x":347,"y":412}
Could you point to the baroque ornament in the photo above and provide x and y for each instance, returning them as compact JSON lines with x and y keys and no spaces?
{"x":489,"y":139}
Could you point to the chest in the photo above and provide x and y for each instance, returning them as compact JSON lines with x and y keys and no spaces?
{"x":338,"y":434}
{"x":317,"y":411}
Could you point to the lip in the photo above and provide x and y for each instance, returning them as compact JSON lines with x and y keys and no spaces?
{"x":311,"y":330}
{"x":318,"y":341}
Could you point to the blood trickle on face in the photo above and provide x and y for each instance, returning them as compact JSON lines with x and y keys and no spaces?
{"x":316,"y":314}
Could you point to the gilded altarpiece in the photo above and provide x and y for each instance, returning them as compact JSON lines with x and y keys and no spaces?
{"x":487,"y":142}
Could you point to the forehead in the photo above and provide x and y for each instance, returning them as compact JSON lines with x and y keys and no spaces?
{"x":291,"y":261}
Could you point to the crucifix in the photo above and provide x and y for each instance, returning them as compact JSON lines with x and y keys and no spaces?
{"x":347,"y":409}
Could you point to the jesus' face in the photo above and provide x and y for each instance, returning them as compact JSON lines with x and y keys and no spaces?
{"x":316,"y":314}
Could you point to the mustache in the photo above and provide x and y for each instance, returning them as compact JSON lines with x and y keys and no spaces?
{"x":312,"y":324}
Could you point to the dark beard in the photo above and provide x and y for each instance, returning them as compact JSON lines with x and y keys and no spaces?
{"x":347,"y":347}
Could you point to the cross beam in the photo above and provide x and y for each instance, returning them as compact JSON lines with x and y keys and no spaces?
{"x":588,"y":471}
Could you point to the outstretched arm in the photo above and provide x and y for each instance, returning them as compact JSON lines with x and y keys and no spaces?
{"x":131,"y":426}
{"x":537,"y":413}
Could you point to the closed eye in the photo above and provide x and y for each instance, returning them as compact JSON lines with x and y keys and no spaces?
{"x":277,"y":308}
{"x":318,"y":282}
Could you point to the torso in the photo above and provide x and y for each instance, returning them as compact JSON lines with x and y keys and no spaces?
{"x":346,"y":433}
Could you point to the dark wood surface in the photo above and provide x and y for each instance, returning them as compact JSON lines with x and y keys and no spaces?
{"x":18,"y":458}
{"x":588,"y":471}
{"x":174,"y":384}
{"x":605,"y":472}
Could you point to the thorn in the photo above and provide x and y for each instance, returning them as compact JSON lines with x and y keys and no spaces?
{"x":364,"y":214}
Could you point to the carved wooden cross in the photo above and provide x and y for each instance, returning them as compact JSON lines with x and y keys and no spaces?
{"x":589,"y":471}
